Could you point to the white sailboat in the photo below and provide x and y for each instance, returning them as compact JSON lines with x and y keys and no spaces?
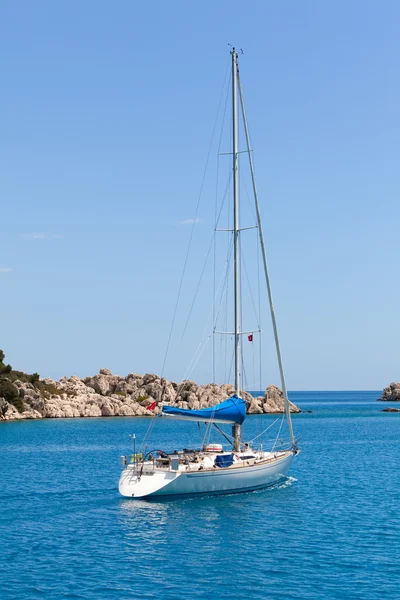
{"x":211,"y":470}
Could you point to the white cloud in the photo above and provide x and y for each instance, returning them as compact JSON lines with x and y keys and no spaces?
{"x":189,"y":221}
{"x":5,"y":269}
{"x":42,"y":236}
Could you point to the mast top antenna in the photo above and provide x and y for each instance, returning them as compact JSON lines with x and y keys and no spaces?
{"x":234,"y":49}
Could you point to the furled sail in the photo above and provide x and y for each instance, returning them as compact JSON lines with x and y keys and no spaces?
{"x":232,"y":410}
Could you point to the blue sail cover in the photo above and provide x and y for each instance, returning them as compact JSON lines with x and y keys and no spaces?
{"x":232,"y":410}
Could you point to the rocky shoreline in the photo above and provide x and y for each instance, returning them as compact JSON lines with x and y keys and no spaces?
{"x":108,"y":395}
{"x":391,"y":393}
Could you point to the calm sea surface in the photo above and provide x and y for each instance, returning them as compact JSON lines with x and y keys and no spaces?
{"x":331,"y":531}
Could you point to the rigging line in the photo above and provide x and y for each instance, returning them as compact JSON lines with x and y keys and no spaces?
{"x":221,"y":284}
{"x":230,"y":368}
{"x":259,"y":310}
{"x":150,"y":427}
{"x":269,"y":426}
{"x":227,"y":275}
{"x":266,"y":272}
{"x":194,"y":223}
{"x":251,"y":294}
{"x":244,"y":374}
{"x":241,"y":262}
{"x":200,"y":351}
{"x":198,"y":286}
{"x":206,"y":436}
{"x":216,"y":211}
{"x":240,"y":245}
{"x":207,"y":432}
{"x":203,"y":269}
{"x":224,"y":294}
{"x":230,"y":440}
{"x":224,"y":341}
{"x":255,"y":312}
{"x":215,"y":314}
{"x":215,"y":268}
{"x":194,"y":360}
{"x":277,"y":436}
{"x":224,"y":319}
{"x":148,"y":433}
{"x":254,"y":368}
{"x":199,"y":356}
{"x":223,"y":116}
{"x":249,"y":200}
{"x":224,"y":298}
{"x":199,"y":428}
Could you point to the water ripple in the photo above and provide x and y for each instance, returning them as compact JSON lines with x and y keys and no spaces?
{"x":331,"y":531}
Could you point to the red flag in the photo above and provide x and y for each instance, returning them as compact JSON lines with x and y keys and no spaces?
{"x":250,"y":337}
{"x":151,"y":406}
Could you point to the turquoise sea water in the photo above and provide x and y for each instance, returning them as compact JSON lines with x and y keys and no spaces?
{"x":332,"y":531}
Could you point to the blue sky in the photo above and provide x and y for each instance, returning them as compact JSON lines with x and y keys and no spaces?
{"x":107,"y":112}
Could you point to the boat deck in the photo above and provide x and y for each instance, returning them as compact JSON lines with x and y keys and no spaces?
{"x":206,"y":461}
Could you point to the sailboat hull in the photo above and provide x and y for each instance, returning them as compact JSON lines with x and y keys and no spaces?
{"x":207,"y":482}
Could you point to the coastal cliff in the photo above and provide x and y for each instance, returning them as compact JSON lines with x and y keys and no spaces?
{"x":391,"y":393}
{"x":25,"y":396}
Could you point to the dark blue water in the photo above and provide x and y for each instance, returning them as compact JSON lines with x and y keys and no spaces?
{"x":332,"y":531}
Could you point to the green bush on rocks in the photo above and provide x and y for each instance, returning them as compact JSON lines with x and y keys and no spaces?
{"x":9,"y":392}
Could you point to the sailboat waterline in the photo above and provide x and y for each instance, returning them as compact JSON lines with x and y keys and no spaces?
{"x":211,"y":470}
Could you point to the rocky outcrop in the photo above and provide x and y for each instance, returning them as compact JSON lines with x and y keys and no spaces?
{"x":391,"y":410}
{"x":271,"y":402}
{"x":391,"y":393}
{"x":108,"y":395}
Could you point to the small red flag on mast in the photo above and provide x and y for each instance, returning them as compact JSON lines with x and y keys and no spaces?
{"x":151,"y":406}
{"x":250,"y":337}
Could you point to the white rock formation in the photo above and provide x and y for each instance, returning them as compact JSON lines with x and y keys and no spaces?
{"x":108,"y":395}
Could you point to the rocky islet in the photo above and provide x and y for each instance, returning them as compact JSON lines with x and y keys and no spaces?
{"x":391,"y":393}
{"x":108,"y":395}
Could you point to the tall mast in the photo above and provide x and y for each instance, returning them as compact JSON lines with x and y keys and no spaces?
{"x":266,"y":272}
{"x":236,"y":259}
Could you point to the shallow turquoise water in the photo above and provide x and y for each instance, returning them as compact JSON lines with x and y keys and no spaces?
{"x":331,"y":531}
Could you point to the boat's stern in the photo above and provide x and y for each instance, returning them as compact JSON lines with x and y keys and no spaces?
{"x":137,"y":481}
